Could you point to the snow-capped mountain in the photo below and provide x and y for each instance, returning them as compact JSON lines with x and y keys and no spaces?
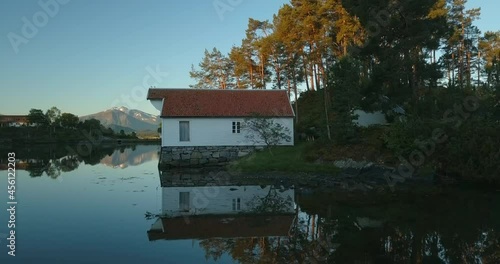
{"x":127,"y":119}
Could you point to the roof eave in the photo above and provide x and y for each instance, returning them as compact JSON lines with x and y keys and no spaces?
{"x":287,"y":116}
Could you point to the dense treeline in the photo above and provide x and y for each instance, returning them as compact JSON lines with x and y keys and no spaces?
{"x":54,"y":126}
{"x":425,"y":57}
{"x":402,"y":46}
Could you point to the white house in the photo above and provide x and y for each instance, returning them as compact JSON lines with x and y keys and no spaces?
{"x":366,"y":119}
{"x":198,"y":121}
{"x":223,"y":200}
{"x":199,"y":212}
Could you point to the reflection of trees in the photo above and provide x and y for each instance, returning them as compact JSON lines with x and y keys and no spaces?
{"x":64,"y":164}
{"x":69,"y":163}
{"x":53,"y":168}
{"x":244,"y":250}
{"x":273,"y":202}
{"x":37,"y":168}
{"x":459,"y":227}
{"x":53,"y":160}
{"x":96,"y":155}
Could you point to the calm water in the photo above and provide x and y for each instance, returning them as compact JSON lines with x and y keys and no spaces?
{"x":114,"y":206}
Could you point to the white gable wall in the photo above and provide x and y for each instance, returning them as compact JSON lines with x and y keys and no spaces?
{"x":366,"y":119}
{"x":213,"y":132}
{"x":158,"y":104}
{"x":219,"y":199}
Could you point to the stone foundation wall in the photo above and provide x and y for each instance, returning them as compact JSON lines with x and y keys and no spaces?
{"x":202,"y":156}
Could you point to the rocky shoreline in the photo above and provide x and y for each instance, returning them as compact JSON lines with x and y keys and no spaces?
{"x":353,"y":176}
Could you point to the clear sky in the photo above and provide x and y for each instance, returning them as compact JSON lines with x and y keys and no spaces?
{"x":88,"y":56}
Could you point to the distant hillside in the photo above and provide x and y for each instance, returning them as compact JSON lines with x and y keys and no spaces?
{"x":130,"y":120}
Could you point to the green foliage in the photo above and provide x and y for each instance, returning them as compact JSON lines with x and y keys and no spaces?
{"x":37,"y":117}
{"x":282,"y":159}
{"x":401,"y":135}
{"x":344,"y":89}
{"x":471,"y":149}
{"x":68,"y":120}
{"x":479,"y":137}
{"x":214,"y":71}
{"x":312,"y":118}
{"x":53,"y":115}
{"x":489,"y":46}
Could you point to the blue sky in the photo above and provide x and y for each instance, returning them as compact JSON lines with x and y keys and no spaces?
{"x":87,"y":56}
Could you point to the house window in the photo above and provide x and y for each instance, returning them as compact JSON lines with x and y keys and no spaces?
{"x":236,"y":204}
{"x":236,"y":127}
{"x":184,"y":130}
{"x":184,"y":205}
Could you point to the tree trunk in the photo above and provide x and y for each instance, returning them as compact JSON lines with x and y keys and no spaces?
{"x":453,"y":70}
{"x":251,"y":77}
{"x":262,"y":78}
{"x":278,"y":74}
{"x":468,"y":69}
{"x":289,"y":88}
{"x":461,"y":59}
{"x":478,"y":69}
{"x":326,"y":98}
{"x":316,"y":73}
{"x":304,"y":64}
{"x":296,"y":102}
{"x":311,"y":66}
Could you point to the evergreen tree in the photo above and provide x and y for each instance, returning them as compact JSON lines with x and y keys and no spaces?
{"x":461,"y":44}
{"x":214,"y":73}
{"x":489,"y":47}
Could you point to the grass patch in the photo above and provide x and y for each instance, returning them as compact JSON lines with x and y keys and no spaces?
{"x":370,"y":147}
{"x":281,"y":159}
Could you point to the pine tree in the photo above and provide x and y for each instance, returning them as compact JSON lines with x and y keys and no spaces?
{"x":460,"y":43}
{"x":489,"y":47}
{"x":215,"y":71}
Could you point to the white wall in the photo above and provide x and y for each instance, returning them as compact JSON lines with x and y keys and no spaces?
{"x":158,"y":104}
{"x":213,"y":132}
{"x":219,"y":199}
{"x":366,"y":119}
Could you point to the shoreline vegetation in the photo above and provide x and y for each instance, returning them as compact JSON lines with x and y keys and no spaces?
{"x":281,"y":159}
{"x":38,"y":136}
{"x":56,"y":127}
{"x":370,"y":156}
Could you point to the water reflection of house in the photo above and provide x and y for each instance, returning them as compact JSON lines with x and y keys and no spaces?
{"x":201,"y":210}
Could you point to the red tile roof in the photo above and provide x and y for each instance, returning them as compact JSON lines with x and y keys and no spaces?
{"x":222,"y":103}
{"x":223,"y":226}
{"x":13,"y":118}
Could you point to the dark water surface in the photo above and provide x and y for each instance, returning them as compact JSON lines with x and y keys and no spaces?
{"x":114,"y":206}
